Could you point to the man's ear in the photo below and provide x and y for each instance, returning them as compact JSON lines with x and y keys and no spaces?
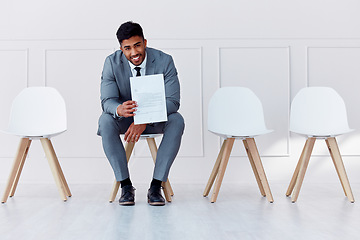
{"x":145,"y":42}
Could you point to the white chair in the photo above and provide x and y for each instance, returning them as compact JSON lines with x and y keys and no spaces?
{"x":129,"y":146}
{"x":37,"y":113}
{"x":318,"y":113}
{"x":236,"y":113}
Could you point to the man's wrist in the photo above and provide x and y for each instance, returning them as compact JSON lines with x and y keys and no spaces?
{"x":116,"y":111}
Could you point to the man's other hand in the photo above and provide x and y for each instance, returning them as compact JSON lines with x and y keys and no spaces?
{"x":134,"y":131}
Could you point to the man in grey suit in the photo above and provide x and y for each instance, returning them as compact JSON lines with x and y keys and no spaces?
{"x":135,"y":59}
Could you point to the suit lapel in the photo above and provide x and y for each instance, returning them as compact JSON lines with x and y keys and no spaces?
{"x":124,"y":79}
{"x":126,"y":71}
{"x":150,"y":64}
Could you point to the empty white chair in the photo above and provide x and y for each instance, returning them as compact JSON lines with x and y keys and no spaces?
{"x":236,"y":113}
{"x":37,"y":113}
{"x":318,"y":113}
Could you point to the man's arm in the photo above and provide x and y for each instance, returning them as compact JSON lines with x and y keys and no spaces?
{"x":172,"y":86}
{"x":110,"y":96}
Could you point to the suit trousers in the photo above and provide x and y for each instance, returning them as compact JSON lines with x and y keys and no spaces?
{"x":111,"y":128}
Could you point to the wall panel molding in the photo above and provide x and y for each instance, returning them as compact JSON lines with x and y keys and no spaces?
{"x":262,"y":68}
{"x":287,"y":64}
{"x":14,"y":76}
{"x":336,"y":66}
{"x":190,"y":72}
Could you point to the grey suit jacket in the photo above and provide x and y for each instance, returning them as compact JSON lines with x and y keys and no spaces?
{"x":115,"y":80}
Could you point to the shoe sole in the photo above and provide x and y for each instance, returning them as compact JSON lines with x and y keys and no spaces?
{"x":127,"y":203}
{"x":156,"y":203}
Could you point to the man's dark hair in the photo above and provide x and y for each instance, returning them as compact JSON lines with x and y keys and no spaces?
{"x":128,"y":30}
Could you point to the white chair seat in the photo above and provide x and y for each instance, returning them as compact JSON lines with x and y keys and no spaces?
{"x":244,"y":136}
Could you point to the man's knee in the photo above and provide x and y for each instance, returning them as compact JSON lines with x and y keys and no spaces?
{"x":106,"y":124}
{"x":176,"y":121}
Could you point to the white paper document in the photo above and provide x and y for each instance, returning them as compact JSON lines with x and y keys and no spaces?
{"x":149,"y":93}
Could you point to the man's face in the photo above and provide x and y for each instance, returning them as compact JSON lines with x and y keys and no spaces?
{"x":134,"y":49}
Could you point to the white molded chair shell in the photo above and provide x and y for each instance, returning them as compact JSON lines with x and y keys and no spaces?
{"x":236,"y":112}
{"x":37,"y":112}
{"x":318,"y":112}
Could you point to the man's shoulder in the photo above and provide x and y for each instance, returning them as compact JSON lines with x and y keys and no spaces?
{"x":115,"y":55}
{"x":156,"y":53}
{"x":114,"y":58}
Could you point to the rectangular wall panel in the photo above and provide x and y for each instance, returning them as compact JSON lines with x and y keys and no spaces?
{"x":77,"y":75}
{"x":265,"y":70}
{"x":13,"y":78}
{"x":188,"y":62}
{"x":338,"y":68}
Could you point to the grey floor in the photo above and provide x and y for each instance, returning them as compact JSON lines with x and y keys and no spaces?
{"x":322,"y":212}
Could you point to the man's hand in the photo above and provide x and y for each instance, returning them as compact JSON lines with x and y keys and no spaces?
{"x":127,"y":109}
{"x":134,"y":131}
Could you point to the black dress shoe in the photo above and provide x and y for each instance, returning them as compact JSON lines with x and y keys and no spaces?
{"x":154,"y":196}
{"x":127,"y":195}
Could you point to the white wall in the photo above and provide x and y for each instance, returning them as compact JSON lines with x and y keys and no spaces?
{"x":273,"y":47}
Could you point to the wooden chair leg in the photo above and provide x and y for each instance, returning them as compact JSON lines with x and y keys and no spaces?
{"x":114,"y":191}
{"x":215,"y":170}
{"x":13,"y":188}
{"x":166,"y":185}
{"x":62,"y":177}
{"x":251,"y":159}
{"x":339,"y":166}
{"x":129,"y":146}
{"x":259,"y":168}
{"x":170,"y":188}
{"x":166,"y":190}
{"x":58,"y":167}
{"x":16,"y":169}
{"x":52,"y":159}
{"x":296,"y":173}
{"x":336,"y":168}
{"x":309,"y":145}
{"x":225,"y":159}
{"x":153,"y":148}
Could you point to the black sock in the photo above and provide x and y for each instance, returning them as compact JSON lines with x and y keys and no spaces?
{"x":155,"y":183}
{"x":125,"y":182}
